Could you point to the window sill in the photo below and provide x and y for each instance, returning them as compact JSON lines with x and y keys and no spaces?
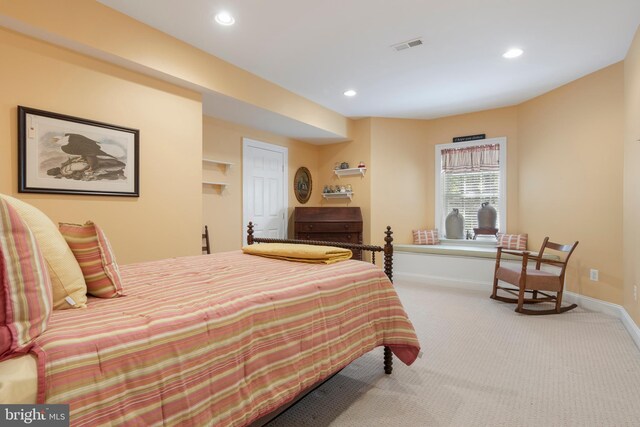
{"x":481,"y":241}
{"x":482,"y":250}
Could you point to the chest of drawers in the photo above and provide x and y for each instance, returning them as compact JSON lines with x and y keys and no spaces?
{"x":329,"y":224}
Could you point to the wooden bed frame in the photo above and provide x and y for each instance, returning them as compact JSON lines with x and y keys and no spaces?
{"x":387,"y":251}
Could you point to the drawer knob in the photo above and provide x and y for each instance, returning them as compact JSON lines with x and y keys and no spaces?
{"x":310,"y":225}
{"x":349,"y":236}
{"x":346,"y":226}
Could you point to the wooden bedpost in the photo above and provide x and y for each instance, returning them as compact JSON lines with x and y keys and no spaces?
{"x":388,"y":269}
{"x":388,"y":254}
{"x":250,"y":233}
{"x":388,"y":360}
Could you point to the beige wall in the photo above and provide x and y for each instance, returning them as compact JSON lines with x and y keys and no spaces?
{"x":573,"y":122}
{"x":631,"y":206}
{"x":576,"y":130}
{"x":570,"y":143}
{"x":222,"y":211}
{"x":401,"y":173}
{"x":165,"y":220}
{"x":352,"y":152}
{"x":403,"y":162}
{"x":99,"y":30}
{"x":569,"y":137}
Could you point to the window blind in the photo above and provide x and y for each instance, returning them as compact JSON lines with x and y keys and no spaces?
{"x":466,"y":191}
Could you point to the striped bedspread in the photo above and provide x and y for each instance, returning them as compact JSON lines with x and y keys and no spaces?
{"x":216,"y":340}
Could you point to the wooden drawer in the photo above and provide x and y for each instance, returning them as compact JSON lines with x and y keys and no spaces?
{"x":328,"y":227}
{"x":330,"y":237}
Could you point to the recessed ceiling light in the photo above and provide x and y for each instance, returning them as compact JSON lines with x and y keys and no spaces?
{"x":513,"y":53}
{"x":350,"y":93}
{"x":225,"y":18}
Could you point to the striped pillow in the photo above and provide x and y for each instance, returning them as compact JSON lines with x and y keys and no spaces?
{"x":25,"y":287}
{"x":69,"y":289}
{"x":95,"y":256}
{"x":426,"y":237}
{"x":513,"y":241}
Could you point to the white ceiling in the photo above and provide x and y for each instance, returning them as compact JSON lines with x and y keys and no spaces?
{"x":318,"y":49}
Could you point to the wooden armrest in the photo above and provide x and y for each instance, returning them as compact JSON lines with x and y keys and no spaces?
{"x":552,"y":261}
{"x":531,"y":257}
{"x":517,"y":253}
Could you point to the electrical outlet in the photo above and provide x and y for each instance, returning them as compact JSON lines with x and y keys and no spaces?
{"x":593,"y":275}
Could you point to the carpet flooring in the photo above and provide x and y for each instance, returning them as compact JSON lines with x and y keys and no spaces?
{"x":485,"y":365}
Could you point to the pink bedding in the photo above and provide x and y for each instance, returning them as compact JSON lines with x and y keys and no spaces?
{"x":216,"y":340}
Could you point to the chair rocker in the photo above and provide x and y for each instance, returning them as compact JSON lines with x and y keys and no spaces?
{"x":533,"y":285}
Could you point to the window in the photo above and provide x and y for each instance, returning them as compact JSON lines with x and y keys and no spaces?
{"x":468,"y":174}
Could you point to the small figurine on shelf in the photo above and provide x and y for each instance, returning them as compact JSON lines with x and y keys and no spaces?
{"x":344,"y":165}
{"x":325,"y":189}
{"x":343,"y":189}
{"x":331,"y":189}
{"x":337,"y":166}
{"x":361,"y":165}
{"x":349,"y":188}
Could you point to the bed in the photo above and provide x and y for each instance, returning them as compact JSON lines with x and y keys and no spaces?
{"x":224,"y":339}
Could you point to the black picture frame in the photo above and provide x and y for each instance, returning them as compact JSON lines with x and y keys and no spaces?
{"x":61,"y":154}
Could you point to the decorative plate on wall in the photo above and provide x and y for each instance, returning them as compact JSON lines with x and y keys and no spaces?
{"x":302,"y":185}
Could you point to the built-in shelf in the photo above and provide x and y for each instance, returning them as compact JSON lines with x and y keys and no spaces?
{"x":347,"y":195}
{"x":227,"y":165}
{"x":222,"y":185}
{"x":350,"y":171}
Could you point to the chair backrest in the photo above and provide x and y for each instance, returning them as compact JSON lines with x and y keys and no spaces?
{"x":206,"y":247}
{"x":568,"y":249}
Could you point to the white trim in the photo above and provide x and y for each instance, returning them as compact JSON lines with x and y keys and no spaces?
{"x":609,"y":308}
{"x":247,"y":142}
{"x":502,"y":141}
{"x":583,"y":301}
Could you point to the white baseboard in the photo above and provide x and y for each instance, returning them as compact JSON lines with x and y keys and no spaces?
{"x":589,"y":303}
{"x":609,"y":308}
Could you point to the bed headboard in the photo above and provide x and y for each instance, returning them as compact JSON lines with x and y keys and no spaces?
{"x":387,"y":249}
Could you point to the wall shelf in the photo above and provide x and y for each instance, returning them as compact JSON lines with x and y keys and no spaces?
{"x":222,"y":185}
{"x":350,"y":171}
{"x":227,"y":165}
{"x":347,"y":195}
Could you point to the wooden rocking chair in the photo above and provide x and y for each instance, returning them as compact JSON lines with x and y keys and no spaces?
{"x":534,"y":281}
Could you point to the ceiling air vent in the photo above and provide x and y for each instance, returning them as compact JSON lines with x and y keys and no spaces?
{"x":408,"y":44}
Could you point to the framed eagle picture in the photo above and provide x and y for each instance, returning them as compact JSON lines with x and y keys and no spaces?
{"x":69,"y":155}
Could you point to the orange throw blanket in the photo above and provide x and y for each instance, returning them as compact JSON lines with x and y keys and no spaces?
{"x":301,"y":253}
